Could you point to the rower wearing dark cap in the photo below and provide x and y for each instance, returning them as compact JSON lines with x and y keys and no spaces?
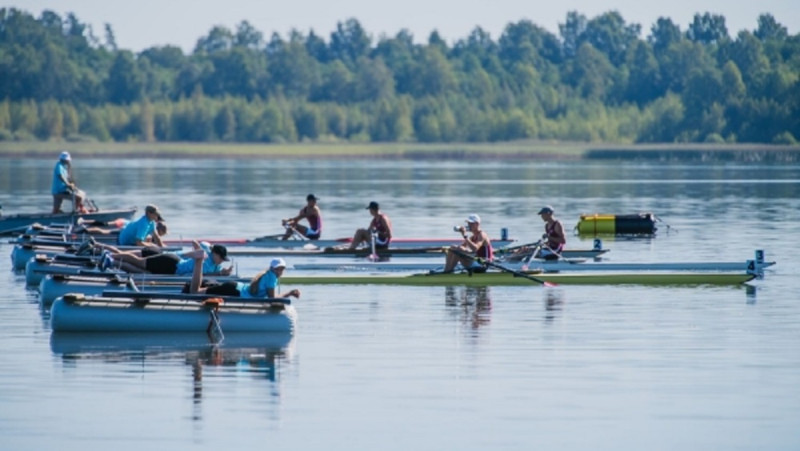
{"x":553,"y":237}
{"x":380,"y":225}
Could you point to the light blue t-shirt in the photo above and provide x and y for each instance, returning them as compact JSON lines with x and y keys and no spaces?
{"x":270,"y":280}
{"x":186,"y":265}
{"x":58,"y":184}
{"x":135,"y":231}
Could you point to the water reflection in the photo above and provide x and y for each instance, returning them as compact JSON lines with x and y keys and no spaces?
{"x":256,"y":355}
{"x":553,"y":303}
{"x":473,"y":303}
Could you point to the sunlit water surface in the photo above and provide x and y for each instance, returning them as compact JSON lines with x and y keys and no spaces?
{"x":432,"y":368}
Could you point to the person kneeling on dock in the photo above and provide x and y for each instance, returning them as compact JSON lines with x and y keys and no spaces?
{"x":476,"y":245}
{"x":262,"y":285}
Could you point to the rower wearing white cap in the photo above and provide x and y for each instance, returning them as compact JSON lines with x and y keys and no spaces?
{"x":262,"y":285}
{"x":64,"y":187}
{"x":477,"y":244}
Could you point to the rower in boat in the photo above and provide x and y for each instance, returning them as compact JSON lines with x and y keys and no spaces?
{"x":64,"y":187}
{"x":262,"y":285}
{"x":475,"y":246}
{"x":310,"y":213}
{"x":379,"y":229}
{"x":554,"y":238}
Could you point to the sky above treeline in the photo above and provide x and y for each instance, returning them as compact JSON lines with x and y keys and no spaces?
{"x":140,"y":24}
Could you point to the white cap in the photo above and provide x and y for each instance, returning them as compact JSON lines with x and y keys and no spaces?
{"x":277,"y":263}
{"x":473,"y":218}
{"x":65,"y":156}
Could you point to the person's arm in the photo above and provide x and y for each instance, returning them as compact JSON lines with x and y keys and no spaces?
{"x":559,"y":233}
{"x":387,"y":224}
{"x":157,"y":239}
{"x":291,"y":293}
{"x":64,"y":176}
{"x":302,"y":214}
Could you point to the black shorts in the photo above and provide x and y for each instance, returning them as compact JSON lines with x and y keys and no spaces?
{"x":149,"y":251}
{"x":223,"y":289}
{"x":162,"y":263}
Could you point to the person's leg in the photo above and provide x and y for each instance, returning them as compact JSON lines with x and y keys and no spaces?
{"x":110,"y":248}
{"x":78,"y":197}
{"x":58,"y":199}
{"x":451,"y":259}
{"x":361,"y":236}
{"x":127,"y":267}
{"x":131,"y":259}
{"x":197,"y":275}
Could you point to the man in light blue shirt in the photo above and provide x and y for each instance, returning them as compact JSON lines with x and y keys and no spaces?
{"x":64,"y":188}
{"x":135,"y":233}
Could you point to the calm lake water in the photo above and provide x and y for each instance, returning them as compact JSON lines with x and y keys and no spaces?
{"x":432,"y":368}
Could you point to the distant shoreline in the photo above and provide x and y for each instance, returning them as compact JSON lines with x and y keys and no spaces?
{"x":518,"y":150}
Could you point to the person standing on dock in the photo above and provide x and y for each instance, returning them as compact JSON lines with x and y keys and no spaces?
{"x":476,"y":245}
{"x":380,"y":227}
{"x":310,"y":213}
{"x":64,"y":187}
{"x":554,"y":238}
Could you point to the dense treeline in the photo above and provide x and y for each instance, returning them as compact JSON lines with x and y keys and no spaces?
{"x":598,"y":80}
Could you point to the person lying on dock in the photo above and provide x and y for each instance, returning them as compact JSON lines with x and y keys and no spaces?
{"x":310,"y":213}
{"x":262,"y":285}
{"x":171,"y":263}
{"x":380,"y":227}
{"x":136,"y":232}
{"x":92,"y":247}
{"x":476,"y":245}
{"x":116,"y":227}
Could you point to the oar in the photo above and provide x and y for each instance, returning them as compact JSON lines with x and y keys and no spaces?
{"x":373,"y":257}
{"x":516,"y":273}
{"x":296,"y":233}
{"x":503,"y":268}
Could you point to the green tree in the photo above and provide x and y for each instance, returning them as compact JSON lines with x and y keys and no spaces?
{"x":349,"y":42}
{"x":707,"y":29}
{"x":769,"y":29}
{"x":125,"y":82}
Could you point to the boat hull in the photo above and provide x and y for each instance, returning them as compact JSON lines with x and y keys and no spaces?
{"x":76,"y":313}
{"x":393,"y":252}
{"x":52,"y":288}
{"x":272,"y":242}
{"x":508,"y":279}
{"x":16,"y":224}
{"x":544,"y":266}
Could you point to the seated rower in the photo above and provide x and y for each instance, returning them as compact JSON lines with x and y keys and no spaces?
{"x":554,"y":237}
{"x":262,"y":285}
{"x":310,"y":213}
{"x":476,"y":245}
{"x":380,"y":226}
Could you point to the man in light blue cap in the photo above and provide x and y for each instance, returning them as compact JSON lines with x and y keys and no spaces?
{"x":64,"y":187}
